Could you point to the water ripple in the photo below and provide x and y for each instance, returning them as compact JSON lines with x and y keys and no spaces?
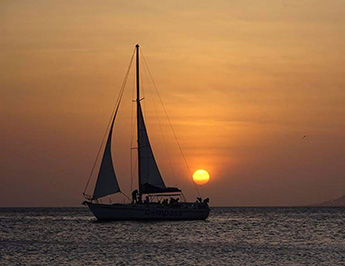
{"x":231,"y":236}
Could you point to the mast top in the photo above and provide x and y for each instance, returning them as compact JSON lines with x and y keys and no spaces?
{"x":137,"y":45}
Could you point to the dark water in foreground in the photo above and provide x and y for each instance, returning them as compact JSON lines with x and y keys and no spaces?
{"x":231,"y":236}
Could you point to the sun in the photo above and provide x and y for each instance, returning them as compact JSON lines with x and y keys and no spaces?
{"x":201,"y":177}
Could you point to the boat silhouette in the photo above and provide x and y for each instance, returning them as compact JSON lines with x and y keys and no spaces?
{"x":161,"y":202}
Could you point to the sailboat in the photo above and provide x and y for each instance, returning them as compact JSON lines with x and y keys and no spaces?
{"x":161,"y":202}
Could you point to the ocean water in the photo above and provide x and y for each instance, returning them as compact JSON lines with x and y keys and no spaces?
{"x":230,"y":236}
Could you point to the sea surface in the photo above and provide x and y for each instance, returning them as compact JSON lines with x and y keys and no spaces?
{"x":230,"y":236}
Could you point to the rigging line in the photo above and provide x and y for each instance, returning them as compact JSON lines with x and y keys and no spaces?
{"x":132,"y":135}
{"x":134,"y":170}
{"x":113,"y":115}
{"x":114,"y":112}
{"x":142,"y":92}
{"x":131,"y":166}
{"x":178,"y":143}
{"x":161,"y":130}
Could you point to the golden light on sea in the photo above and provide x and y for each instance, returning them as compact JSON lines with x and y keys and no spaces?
{"x":201,"y":177}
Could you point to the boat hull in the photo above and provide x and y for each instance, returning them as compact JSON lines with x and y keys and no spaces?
{"x":151,"y":211}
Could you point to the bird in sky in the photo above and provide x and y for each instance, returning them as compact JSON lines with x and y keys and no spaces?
{"x":304,"y":137}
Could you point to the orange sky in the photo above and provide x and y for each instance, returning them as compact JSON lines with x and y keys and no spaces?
{"x":242,"y":81}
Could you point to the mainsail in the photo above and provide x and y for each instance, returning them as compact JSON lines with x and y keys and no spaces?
{"x":151,"y":180}
{"x":106,"y":182}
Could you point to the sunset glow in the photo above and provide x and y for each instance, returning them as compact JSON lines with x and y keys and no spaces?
{"x":201,"y":177}
{"x":242,"y":82}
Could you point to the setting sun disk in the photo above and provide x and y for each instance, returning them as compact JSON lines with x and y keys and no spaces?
{"x":201,"y":177}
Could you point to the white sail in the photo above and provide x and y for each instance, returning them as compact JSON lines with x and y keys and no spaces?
{"x":149,"y":172}
{"x":106,"y":182}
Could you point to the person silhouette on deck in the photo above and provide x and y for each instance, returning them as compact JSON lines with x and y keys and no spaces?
{"x":134,"y":196}
{"x":139,"y":198}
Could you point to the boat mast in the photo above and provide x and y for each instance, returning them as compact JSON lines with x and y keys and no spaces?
{"x":138,"y":122}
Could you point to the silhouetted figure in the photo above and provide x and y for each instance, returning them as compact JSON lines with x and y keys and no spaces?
{"x":135,"y":196}
{"x":139,"y":199}
{"x":207,"y":200}
{"x":199,"y":199}
{"x":147,"y":199}
{"x":172,"y":201}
